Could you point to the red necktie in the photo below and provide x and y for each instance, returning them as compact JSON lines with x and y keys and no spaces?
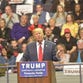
{"x":40,"y":57}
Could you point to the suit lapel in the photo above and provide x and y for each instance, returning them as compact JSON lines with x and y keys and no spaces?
{"x":45,"y":49}
{"x":35,"y":51}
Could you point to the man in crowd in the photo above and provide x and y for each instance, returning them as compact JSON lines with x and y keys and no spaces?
{"x":20,"y":31}
{"x":43,"y":16}
{"x":10,"y":16}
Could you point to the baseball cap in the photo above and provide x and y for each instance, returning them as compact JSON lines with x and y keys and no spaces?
{"x":67,"y":30}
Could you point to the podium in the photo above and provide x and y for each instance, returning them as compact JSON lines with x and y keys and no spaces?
{"x":50,"y":78}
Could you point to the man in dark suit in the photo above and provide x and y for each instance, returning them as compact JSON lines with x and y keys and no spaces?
{"x":32,"y":50}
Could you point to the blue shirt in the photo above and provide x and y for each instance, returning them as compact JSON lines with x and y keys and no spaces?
{"x":79,"y":57}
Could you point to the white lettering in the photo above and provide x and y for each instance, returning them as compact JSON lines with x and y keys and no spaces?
{"x":27,"y":65}
{"x":38,"y":65}
{"x":23,"y":65}
{"x":42,"y":65}
{"x":32,"y":65}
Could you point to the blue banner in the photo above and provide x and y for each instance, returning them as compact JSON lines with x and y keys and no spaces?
{"x":33,"y":69}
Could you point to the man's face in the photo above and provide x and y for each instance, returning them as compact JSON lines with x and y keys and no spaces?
{"x":13,"y":43}
{"x":35,"y":19}
{"x":24,"y":20}
{"x":8,"y":10}
{"x":39,"y":8}
{"x":80,"y":44}
{"x":48,"y":31}
{"x":38,"y":36}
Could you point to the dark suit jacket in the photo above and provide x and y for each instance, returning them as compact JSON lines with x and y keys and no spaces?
{"x":48,"y":54}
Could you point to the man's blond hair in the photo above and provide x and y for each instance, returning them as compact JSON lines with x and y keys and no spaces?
{"x":38,"y":30}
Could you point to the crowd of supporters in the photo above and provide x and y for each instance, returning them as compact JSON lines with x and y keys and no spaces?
{"x":62,"y":24}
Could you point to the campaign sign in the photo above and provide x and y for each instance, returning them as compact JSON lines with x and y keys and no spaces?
{"x":33,"y":69}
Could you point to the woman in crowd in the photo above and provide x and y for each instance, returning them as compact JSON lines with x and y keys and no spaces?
{"x":55,"y":30}
{"x":6,"y":57}
{"x":65,"y":3}
{"x":73,"y":2}
{"x":70,"y":43}
{"x":60,"y":16}
{"x":5,"y":36}
{"x":78,"y":14}
{"x":71,"y":25}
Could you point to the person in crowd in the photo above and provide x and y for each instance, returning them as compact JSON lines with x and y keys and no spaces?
{"x":80,"y":45}
{"x":68,"y":4}
{"x":20,"y":55}
{"x":3,"y":56}
{"x":19,"y":31}
{"x":49,"y":36}
{"x":73,"y":2}
{"x":6,"y":57}
{"x":14,"y":48}
{"x":65,"y":3}
{"x":60,"y":16}
{"x":43,"y":15}
{"x":10,"y":17}
{"x":55,"y":30}
{"x":80,"y":34}
{"x":72,"y":25}
{"x":78,"y":14}
{"x":70,"y":43}
{"x":61,"y":54}
{"x":40,"y":49}
{"x":35,"y":24}
{"x":5,"y":36}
